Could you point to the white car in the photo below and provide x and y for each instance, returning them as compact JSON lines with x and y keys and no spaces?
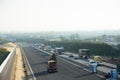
{"x":92,"y":61}
{"x":98,"y":63}
{"x":76,"y":57}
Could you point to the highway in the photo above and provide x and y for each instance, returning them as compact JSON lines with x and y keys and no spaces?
{"x":66,"y":71}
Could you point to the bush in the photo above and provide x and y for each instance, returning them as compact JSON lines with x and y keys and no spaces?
{"x":3,"y":54}
{"x":2,"y":50}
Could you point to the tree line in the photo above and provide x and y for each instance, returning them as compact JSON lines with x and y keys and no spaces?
{"x":101,"y":49}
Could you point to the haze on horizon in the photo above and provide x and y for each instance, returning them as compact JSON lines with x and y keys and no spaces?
{"x":59,"y":15}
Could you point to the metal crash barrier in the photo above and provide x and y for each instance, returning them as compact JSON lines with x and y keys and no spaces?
{"x":6,"y":66}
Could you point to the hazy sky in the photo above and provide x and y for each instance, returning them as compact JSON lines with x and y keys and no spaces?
{"x":59,"y":15}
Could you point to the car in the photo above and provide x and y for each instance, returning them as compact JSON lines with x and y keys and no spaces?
{"x":98,"y":63}
{"x":92,"y":61}
{"x":76,"y":57}
{"x":71,"y":55}
{"x":85,"y":57}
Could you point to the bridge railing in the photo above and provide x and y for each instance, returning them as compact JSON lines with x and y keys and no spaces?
{"x":6,"y":66}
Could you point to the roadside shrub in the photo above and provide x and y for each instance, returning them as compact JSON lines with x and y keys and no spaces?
{"x":3,"y":54}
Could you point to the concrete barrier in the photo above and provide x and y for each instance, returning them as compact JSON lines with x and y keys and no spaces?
{"x":6,"y":66}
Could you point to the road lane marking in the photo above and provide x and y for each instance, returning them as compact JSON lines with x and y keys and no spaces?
{"x":34,"y":78}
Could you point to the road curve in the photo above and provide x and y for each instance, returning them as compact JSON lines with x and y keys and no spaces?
{"x":66,"y":71}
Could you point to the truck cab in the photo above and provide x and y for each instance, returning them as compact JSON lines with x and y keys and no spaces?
{"x":53,"y":57}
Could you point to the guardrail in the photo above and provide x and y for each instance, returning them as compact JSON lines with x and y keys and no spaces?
{"x":6,"y":66}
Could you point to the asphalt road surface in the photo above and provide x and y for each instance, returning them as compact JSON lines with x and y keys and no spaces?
{"x":66,"y":71}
